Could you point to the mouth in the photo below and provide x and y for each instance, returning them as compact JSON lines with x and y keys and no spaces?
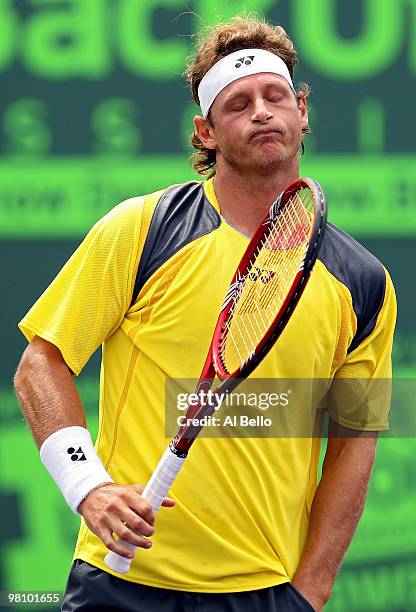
{"x":265,"y":134}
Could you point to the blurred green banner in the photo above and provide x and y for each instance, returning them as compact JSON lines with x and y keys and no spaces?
{"x":64,"y":197}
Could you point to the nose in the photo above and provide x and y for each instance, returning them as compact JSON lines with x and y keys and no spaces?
{"x":261,"y":112}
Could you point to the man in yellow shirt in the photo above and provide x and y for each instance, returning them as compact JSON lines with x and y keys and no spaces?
{"x":251,"y":528}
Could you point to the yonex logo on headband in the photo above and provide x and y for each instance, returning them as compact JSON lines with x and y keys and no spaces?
{"x":244,"y":61}
{"x":236,"y":66}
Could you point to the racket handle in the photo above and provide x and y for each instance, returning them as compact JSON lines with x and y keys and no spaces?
{"x":155,"y":491}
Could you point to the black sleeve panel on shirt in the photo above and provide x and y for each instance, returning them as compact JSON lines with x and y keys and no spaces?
{"x":361,"y":273}
{"x":182,"y":215}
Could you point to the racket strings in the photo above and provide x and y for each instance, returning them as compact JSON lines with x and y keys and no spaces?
{"x":267,"y":280}
{"x":268,"y":256}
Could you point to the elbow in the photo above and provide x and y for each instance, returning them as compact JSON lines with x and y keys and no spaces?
{"x":22,"y":374}
{"x":31,"y":363}
{"x":40,"y":360}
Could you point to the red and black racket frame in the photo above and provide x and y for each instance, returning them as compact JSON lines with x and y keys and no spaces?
{"x":214,"y":365}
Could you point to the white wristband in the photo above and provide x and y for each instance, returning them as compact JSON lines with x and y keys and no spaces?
{"x":72,"y":461}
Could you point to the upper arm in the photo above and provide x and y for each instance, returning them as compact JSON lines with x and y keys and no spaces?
{"x":369,"y":355}
{"x":361,"y":444}
{"x":88,"y":298}
{"x":361,"y":390}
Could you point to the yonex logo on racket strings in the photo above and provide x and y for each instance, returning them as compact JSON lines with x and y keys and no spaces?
{"x":244,"y":61}
{"x":235,"y":290}
{"x":264,"y":275}
{"x":76,"y":455}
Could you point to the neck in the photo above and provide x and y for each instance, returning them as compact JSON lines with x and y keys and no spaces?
{"x":244,"y":199}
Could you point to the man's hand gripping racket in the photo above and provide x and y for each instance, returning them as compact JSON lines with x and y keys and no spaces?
{"x":261,"y":298}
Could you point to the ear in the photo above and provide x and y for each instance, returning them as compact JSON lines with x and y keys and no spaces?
{"x":205,"y":132}
{"x":303,"y":110}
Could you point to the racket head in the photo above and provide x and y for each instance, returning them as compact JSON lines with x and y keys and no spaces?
{"x":270,"y":279}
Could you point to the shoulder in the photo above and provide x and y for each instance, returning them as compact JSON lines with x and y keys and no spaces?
{"x":130,"y":216}
{"x":361,"y":272}
{"x":172,"y":205}
{"x":185,"y":204}
{"x":126,"y":213}
{"x":181,"y":215}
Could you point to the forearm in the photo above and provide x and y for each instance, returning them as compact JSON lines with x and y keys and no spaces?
{"x":50,"y":402}
{"x":46,"y":391}
{"x":336,"y":510}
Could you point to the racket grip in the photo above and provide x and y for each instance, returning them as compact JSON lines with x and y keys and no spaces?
{"x":154,"y":492}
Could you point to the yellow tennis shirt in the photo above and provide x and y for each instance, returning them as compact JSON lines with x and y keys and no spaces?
{"x":147,"y":283}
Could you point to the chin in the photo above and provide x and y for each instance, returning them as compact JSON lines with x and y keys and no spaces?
{"x":269,"y":154}
{"x":266,"y":162}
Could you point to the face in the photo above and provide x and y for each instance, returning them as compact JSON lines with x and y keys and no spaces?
{"x":256,"y":123}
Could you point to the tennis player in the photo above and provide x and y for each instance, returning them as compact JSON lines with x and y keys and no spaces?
{"x":251,"y":528}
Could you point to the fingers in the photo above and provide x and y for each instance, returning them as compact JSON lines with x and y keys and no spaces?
{"x":142,"y":507}
{"x":128,"y":535}
{"x":117,"y":510}
{"x":136,"y":523}
{"x":168,"y":502}
{"x":115,"y":546}
{"x":115,"y":532}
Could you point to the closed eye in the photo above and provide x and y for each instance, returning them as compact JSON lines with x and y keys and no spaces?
{"x":239,"y":106}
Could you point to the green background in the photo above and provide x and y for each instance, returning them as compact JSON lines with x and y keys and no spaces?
{"x":93,"y":109}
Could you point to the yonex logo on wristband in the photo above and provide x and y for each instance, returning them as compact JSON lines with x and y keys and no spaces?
{"x":76,"y":455}
{"x":246,"y":61}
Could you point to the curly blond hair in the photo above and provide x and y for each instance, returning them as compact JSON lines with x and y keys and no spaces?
{"x":215,"y":43}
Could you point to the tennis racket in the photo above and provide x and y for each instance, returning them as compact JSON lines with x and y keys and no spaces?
{"x":261,"y":298}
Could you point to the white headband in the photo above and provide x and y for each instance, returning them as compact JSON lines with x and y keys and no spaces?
{"x":235,"y":66}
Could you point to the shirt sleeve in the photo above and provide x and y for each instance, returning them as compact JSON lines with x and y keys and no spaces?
{"x":87,"y":300}
{"x":361,"y":390}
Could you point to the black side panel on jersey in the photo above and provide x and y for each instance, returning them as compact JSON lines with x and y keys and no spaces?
{"x":360,"y":272}
{"x":182,"y":215}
